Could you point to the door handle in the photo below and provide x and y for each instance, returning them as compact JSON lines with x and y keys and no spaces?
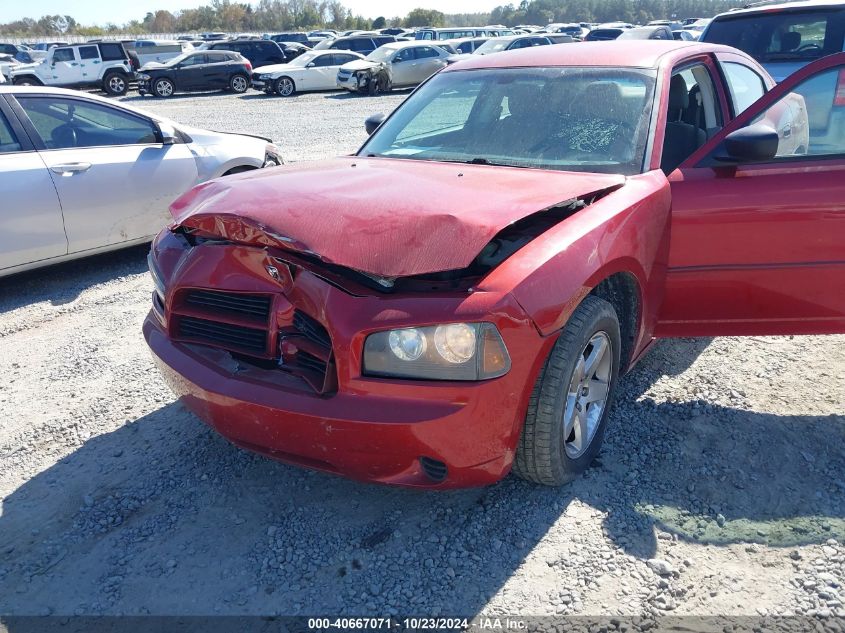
{"x":70,"y":168}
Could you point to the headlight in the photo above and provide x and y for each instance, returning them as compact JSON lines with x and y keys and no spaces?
{"x":272,"y":157}
{"x":158,"y":282}
{"x":264,"y":77}
{"x":144,"y":77}
{"x":452,"y":351}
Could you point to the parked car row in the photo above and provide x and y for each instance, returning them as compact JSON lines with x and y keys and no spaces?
{"x":81,"y":174}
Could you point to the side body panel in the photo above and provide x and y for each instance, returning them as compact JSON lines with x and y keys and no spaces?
{"x":625,"y":232}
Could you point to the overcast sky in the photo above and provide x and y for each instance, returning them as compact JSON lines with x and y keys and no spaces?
{"x":100,"y":12}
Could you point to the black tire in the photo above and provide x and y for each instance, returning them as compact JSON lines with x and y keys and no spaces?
{"x":115,"y":84}
{"x":163,"y":87}
{"x":284,"y":87}
{"x":27,"y":80}
{"x":239,"y":83}
{"x":542,"y":455}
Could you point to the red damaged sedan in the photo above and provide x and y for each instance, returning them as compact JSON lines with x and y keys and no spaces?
{"x":459,"y":298}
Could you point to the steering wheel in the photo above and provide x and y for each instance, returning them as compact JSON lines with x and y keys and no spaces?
{"x":64,"y":136}
{"x":807,"y":47}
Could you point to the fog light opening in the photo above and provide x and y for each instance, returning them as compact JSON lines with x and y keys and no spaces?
{"x":434,"y":469}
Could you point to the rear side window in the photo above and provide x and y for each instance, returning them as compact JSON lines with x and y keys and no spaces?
{"x":381,"y":41}
{"x":363,"y":44}
{"x":63,"y":55}
{"x":8,"y":142}
{"x":424,"y":52}
{"x":216,"y":58}
{"x":782,"y":36}
{"x":744,"y":84}
{"x":339,"y":60}
{"x":88,"y":52}
{"x":112,"y":52}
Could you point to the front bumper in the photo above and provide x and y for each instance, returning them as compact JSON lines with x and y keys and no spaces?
{"x":369,"y":429}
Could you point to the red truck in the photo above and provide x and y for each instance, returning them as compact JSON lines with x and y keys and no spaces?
{"x":459,"y":298}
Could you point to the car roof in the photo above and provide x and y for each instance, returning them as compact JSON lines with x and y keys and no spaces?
{"x":409,"y":43}
{"x":627,"y":54}
{"x":783,"y":6}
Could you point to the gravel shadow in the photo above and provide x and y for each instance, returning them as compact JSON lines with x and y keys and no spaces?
{"x":163,"y":516}
{"x":62,"y":283}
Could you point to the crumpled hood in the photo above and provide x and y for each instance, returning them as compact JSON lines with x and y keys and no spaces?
{"x":359,"y":64}
{"x":152,"y":66}
{"x":384,"y":217}
{"x":275,"y":68}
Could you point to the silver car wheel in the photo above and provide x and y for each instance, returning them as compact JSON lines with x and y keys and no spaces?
{"x":164,"y":88}
{"x":286,"y":87}
{"x":117,"y":84}
{"x":587,"y":395}
{"x":239,"y":84}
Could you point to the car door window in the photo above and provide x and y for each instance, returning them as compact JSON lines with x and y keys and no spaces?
{"x":194,"y":60}
{"x":693,"y":114}
{"x":63,"y":55}
{"x":405,"y":55}
{"x":810,"y":120}
{"x":88,"y":52}
{"x":340,"y":60}
{"x":745,"y":85}
{"x":68,"y":123}
{"x":326,"y":60}
{"x":8,"y":142}
{"x":216,"y":58}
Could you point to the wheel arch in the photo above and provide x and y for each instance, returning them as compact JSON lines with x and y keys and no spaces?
{"x":623,"y":291}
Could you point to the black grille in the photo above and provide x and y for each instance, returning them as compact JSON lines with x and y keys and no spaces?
{"x":234,"y":337}
{"x":311,"y":329}
{"x":435,"y":470}
{"x":255,"y":306}
{"x":307,"y":361}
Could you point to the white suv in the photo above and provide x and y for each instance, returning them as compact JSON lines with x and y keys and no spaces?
{"x":102,"y":64}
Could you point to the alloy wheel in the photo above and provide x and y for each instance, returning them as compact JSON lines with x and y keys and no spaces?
{"x":285,"y":87}
{"x":587,"y":395}
{"x":117,"y":84}
{"x":239,"y":84}
{"x":164,"y":88}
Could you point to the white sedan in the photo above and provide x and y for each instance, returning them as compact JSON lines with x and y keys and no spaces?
{"x":80,"y":174}
{"x":311,"y":71}
{"x":404,"y":64}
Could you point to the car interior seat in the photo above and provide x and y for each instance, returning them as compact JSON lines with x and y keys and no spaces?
{"x":524,"y":105}
{"x":681,"y":138}
{"x":790,"y":41}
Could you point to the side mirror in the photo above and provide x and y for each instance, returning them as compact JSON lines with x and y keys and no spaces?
{"x":372,"y":123}
{"x":167,"y":133}
{"x":757,"y":142}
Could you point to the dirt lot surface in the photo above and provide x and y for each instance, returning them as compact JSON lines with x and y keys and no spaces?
{"x":720,"y":490}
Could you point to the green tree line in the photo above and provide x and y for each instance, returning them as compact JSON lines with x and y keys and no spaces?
{"x":284,"y":15}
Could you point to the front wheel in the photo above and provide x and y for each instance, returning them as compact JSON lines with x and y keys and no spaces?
{"x":239,"y":83}
{"x":163,"y":87}
{"x":115,"y":84}
{"x":27,"y":81}
{"x":571,"y":400}
{"x":285,"y":87}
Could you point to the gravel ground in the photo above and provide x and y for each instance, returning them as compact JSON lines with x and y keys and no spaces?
{"x":719,"y":490}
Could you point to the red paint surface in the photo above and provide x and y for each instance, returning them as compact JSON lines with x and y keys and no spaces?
{"x":355,"y":212}
{"x":713,"y":251}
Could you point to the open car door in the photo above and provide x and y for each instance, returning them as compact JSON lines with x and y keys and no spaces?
{"x":758,"y":217}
